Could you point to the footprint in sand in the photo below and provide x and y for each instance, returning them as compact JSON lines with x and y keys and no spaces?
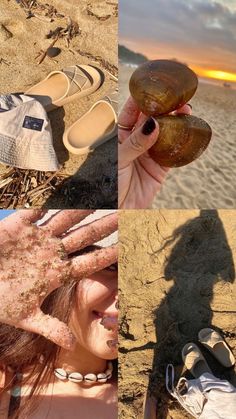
{"x":101,"y":12}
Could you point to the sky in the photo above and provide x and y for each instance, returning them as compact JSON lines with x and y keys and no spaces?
{"x":201,"y":33}
{"x":5,"y":213}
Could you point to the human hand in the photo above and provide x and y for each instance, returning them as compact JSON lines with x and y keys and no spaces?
{"x":35,"y":260}
{"x":139,"y":176}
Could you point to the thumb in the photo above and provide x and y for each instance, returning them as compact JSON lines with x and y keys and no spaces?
{"x":139,"y":141}
{"x":49,"y":327}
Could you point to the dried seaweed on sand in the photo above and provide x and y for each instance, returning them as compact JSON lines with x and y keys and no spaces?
{"x":111,"y":68}
{"x":26,"y":188}
{"x":68,"y":33}
{"x":49,"y":13}
{"x":33,"y":6}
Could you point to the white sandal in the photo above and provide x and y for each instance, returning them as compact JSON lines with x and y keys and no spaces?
{"x":194,"y":360}
{"x":214,"y":342}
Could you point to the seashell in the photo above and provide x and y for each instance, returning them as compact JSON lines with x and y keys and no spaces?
{"x":161,"y":86}
{"x":60,"y":373}
{"x":90,"y":377}
{"x":53,"y":52}
{"x":75,"y":377}
{"x":181,"y":140}
{"x":102,"y":378}
{"x":108,"y":373}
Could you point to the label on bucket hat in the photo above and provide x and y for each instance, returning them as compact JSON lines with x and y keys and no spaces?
{"x":35,"y":124}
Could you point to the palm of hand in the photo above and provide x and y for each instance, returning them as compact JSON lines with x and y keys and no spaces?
{"x":32,"y":265}
{"x":34,"y":261}
{"x":140,"y":181}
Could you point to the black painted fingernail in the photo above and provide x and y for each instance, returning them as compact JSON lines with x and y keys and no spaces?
{"x":149,"y":126}
{"x":189,"y":104}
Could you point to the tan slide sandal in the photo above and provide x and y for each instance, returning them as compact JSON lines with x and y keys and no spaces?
{"x":94,"y":128}
{"x":194,"y":360}
{"x":214,"y":342}
{"x":62,"y":87}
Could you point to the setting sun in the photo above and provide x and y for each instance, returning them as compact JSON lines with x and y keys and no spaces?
{"x":216,"y":74}
{"x":221,"y":75}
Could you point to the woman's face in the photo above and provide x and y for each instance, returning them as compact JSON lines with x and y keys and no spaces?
{"x":95,"y":297}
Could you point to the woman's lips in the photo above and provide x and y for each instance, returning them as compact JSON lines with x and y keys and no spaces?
{"x":109,"y":320}
{"x":101,"y":315}
{"x":97,"y":314}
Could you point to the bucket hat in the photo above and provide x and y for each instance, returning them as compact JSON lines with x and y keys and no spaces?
{"x":25,"y":134}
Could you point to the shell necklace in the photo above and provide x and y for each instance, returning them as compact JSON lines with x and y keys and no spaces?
{"x":90,"y":378}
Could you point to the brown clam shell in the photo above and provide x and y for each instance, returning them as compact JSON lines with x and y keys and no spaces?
{"x":161,"y":86}
{"x":181,"y":139}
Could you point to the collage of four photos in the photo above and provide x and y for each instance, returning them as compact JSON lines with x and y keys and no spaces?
{"x":117,"y":209}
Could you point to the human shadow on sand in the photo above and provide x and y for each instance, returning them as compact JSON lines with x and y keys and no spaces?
{"x":93,"y":186}
{"x":200,"y":258}
{"x":56,"y":118}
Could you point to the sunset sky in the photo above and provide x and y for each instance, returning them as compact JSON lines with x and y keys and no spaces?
{"x":201,"y":33}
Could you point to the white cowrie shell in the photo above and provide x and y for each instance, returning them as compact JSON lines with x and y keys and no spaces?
{"x":108,"y":373}
{"x":90,"y":377}
{"x":75,"y":377}
{"x":102,"y":378}
{"x":60,"y":373}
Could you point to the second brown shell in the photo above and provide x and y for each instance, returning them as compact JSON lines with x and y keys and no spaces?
{"x":181,"y":140}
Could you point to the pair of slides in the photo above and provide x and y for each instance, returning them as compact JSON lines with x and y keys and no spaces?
{"x":196,"y":364}
{"x":194,"y":360}
{"x":96,"y":126}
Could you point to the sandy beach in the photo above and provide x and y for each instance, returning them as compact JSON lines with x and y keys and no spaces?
{"x":209,"y":181}
{"x":19,"y":69}
{"x":176,"y":276}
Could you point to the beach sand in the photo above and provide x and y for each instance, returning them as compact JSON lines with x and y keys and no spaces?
{"x":176,"y":276}
{"x":96,"y":44}
{"x":210,"y":181}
